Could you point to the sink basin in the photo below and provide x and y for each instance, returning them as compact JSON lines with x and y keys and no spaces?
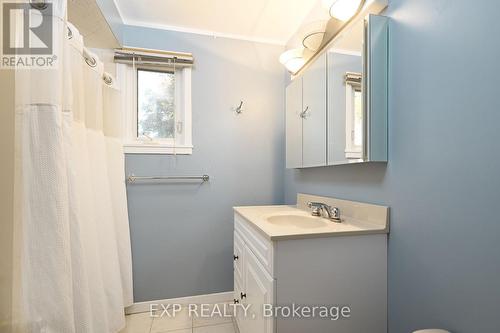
{"x":299,"y":221}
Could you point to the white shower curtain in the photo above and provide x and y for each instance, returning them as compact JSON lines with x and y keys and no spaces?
{"x":71,"y":235}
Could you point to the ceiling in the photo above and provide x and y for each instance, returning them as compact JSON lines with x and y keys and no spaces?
{"x":88,"y":19}
{"x":272,"y":21}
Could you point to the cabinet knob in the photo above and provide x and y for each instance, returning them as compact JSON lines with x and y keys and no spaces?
{"x":243,"y":295}
{"x":236,"y":301}
{"x":235,"y":257}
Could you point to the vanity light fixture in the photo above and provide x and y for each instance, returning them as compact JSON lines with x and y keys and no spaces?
{"x":343,"y":9}
{"x":314,"y":34}
{"x":293,"y":59}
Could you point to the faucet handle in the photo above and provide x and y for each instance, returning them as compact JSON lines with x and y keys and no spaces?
{"x":316,"y":211}
{"x":335,"y":214}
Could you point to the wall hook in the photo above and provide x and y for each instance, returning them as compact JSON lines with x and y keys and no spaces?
{"x":239,"y":108}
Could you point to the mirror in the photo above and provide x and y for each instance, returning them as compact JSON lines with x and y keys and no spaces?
{"x":357,"y":93}
{"x":345,"y":97}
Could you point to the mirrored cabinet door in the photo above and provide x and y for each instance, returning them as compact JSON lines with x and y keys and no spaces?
{"x":314,"y":114}
{"x":293,"y":121}
{"x":357,"y":93}
{"x":377,"y":87}
{"x":306,"y":117}
{"x":345,"y":98}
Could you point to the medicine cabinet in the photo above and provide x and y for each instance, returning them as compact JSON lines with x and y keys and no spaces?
{"x":336,"y":108}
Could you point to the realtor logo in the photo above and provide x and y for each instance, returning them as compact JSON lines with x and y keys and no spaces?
{"x":27,"y":34}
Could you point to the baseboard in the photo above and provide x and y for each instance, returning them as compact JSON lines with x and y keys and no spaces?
{"x":198,"y":299}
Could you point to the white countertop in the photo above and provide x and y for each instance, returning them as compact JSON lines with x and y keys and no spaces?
{"x":257,"y":217}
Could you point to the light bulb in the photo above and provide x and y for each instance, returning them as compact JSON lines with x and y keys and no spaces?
{"x":293,"y":59}
{"x":342,"y":9}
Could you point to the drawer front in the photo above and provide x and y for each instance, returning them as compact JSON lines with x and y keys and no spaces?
{"x":238,"y":258}
{"x":261,"y":247}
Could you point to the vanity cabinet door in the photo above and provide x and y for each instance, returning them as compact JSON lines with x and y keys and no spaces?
{"x":314,"y":114}
{"x":238,"y":258}
{"x":294,"y":124}
{"x":239,"y":313}
{"x":258,"y":290}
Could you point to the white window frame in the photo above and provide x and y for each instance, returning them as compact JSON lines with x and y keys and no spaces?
{"x":182,"y":144}
{"x":352,"y":151}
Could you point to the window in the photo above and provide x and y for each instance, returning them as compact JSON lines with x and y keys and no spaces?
{"x":155,"y":104}
{"x":158,"y":109}
{"x":354,"y":116}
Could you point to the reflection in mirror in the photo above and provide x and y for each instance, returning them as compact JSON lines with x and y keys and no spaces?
{"x":354,"y":116}
{"x":345,"y":97}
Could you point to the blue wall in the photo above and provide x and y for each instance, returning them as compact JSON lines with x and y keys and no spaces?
{"x":442,"y":182}
{"x":182,"y":235}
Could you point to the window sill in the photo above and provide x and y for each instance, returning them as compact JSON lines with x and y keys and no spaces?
{"x":156,"y":148}
{"x":353,"y":154}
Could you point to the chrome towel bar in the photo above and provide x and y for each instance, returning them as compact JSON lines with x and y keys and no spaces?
{"x":132,"y":178}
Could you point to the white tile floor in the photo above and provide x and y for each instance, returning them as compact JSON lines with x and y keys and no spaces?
{"x":181,"y":323}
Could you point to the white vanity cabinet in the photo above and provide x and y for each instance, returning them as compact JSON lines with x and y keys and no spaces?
{"x":255,"y":284}
{"x":306,"y":117}
{"x":345,"y":270}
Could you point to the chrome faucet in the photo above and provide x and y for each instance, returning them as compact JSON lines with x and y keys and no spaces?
{"x":333,"y":213}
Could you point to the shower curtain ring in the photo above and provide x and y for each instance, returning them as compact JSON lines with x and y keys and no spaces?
{"x":91,"y":61}
{"x":39,"y":4}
